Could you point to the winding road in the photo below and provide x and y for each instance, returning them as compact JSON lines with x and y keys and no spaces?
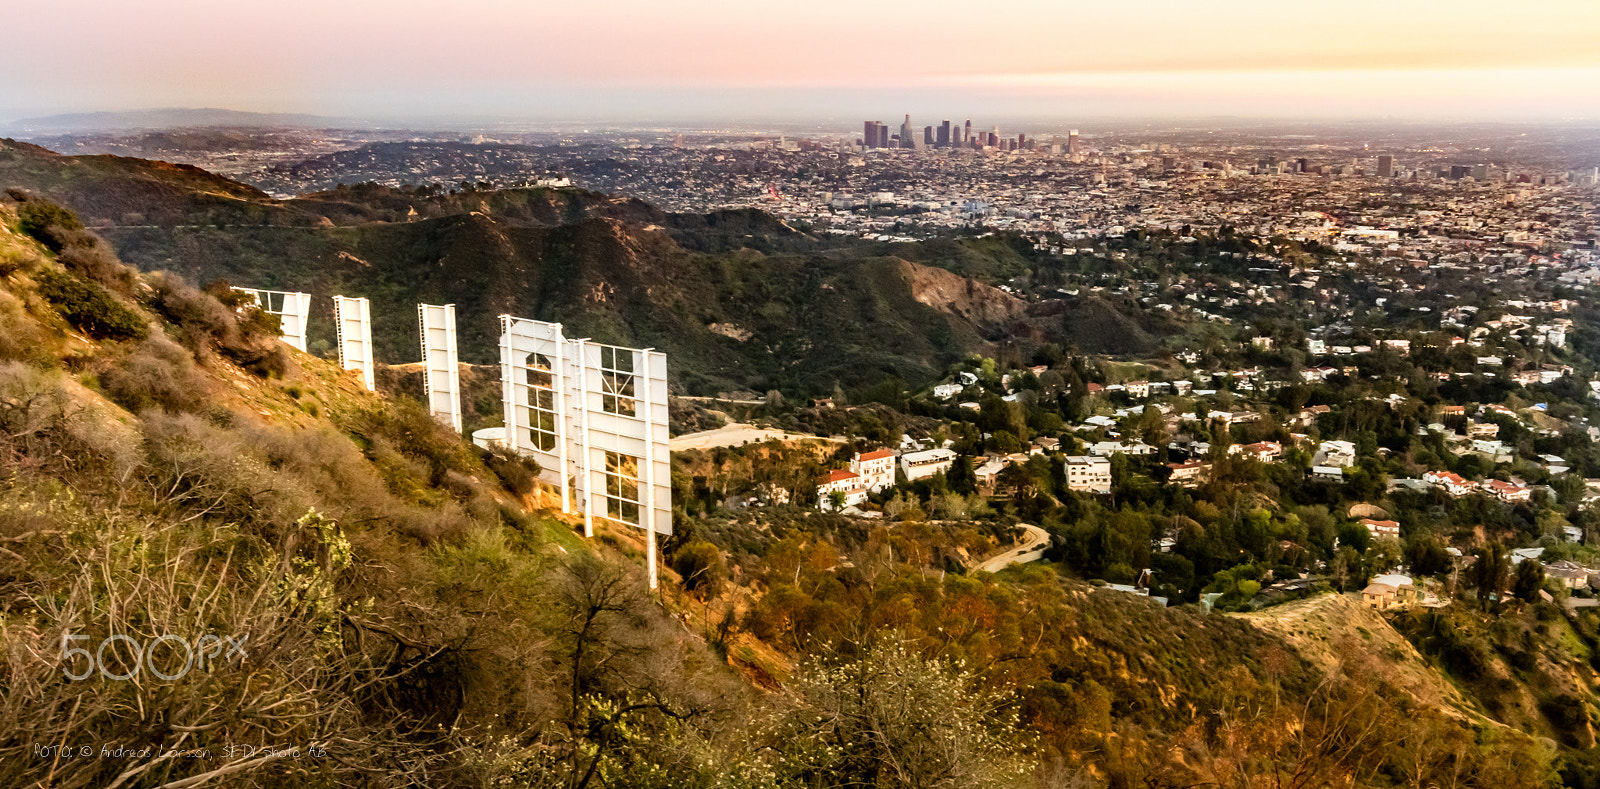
{"x":1036,"y":540}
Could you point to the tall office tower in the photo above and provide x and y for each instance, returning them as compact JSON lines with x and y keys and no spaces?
{"x":966,"y":134}
{"x":1300,"y":165}
{"x":906,"y":138}
{"x":883,"y":136}
{"x":869,"y":134}
{"x":927,"y":135}
{"x":994,"y":138}
{"x":1022,"y":140}
{"x":943,"y":138}
{"x":1385,"y":166}
{"x":1072,"y":141}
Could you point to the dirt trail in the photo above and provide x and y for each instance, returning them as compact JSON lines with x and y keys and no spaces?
{"x":737,"y":433}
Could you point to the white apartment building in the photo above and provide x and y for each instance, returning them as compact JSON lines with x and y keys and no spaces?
{"x":876,"y":469}
{"x":924,"y":464}
{"x":1089,"y":473}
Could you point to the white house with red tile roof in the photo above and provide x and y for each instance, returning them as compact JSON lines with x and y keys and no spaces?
{"x":1506,"y":491}
{"x":840,"y":481}
{"x":1188,"y":473}
{"x":1382,"y":528}
{"x":1453,"y":483}
{"x":876,"y":469}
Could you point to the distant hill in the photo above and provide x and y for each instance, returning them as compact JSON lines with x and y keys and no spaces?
{"x":170,"y":118}
{"x":739,"y":299}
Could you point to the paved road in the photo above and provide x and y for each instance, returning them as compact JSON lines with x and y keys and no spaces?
{"x":1035,"y":539}
{"x":735,"y":434}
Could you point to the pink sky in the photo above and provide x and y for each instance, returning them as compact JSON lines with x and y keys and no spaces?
{"x":613,"y":58}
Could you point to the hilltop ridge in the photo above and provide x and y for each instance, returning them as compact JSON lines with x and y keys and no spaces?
{"x":610,"y":268}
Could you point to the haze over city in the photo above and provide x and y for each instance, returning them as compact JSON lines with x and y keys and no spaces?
{"x":634,"y":61}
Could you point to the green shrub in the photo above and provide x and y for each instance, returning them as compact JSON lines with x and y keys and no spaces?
{"x":157,"y":374}
{"x":86,"y":254}
{"x":221,"y":320}
{"x":518,"y":474}
{"x":47,"y":222}
{"x":22,"y":338}
{"x":89,"y":307}
{"x":700,"y":565}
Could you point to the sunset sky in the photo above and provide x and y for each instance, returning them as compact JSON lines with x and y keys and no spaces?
{"x":639,"y":60}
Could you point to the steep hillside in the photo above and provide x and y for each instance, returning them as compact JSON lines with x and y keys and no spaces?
{"x":1531,"y":667}
{"x":1338,"y":634}
{"x":395,"y":603}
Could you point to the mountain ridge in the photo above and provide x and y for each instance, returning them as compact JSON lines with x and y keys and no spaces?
{"x":610,"y":268}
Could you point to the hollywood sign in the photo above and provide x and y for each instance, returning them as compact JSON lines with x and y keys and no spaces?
{"x":593,"y":416}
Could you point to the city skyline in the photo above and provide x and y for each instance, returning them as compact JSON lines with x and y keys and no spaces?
{"x":627,"y":60}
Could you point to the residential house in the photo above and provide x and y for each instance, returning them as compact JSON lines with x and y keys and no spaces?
{"x":1139,"y":389}
{"x":1337,"y":453}
{"x":924,"y":464}
{"x":1328,"y":473}
{"x":1453,"y":483}
{"x":1089,"y":473}
{"x":989,"y":472}
{"x":1490,"y":447}
{"x":1381,"y":528}
{"x":876,"y":469}
{"x":1571,"y":575}
{"x":1109,"y":448}
{"x":1308,"y":416}
{"x":1506,"y":491}
{"x":1264,"y":451}
{"x":1387,"y":591}
{"x":1188,"y":473}
{"x":947,"y":391}
{"x":840,"y":481}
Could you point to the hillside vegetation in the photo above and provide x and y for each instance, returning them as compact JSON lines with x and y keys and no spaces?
{"x":737,"y":299}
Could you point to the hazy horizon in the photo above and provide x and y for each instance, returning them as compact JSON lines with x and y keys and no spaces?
{"x":703,"y":61}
